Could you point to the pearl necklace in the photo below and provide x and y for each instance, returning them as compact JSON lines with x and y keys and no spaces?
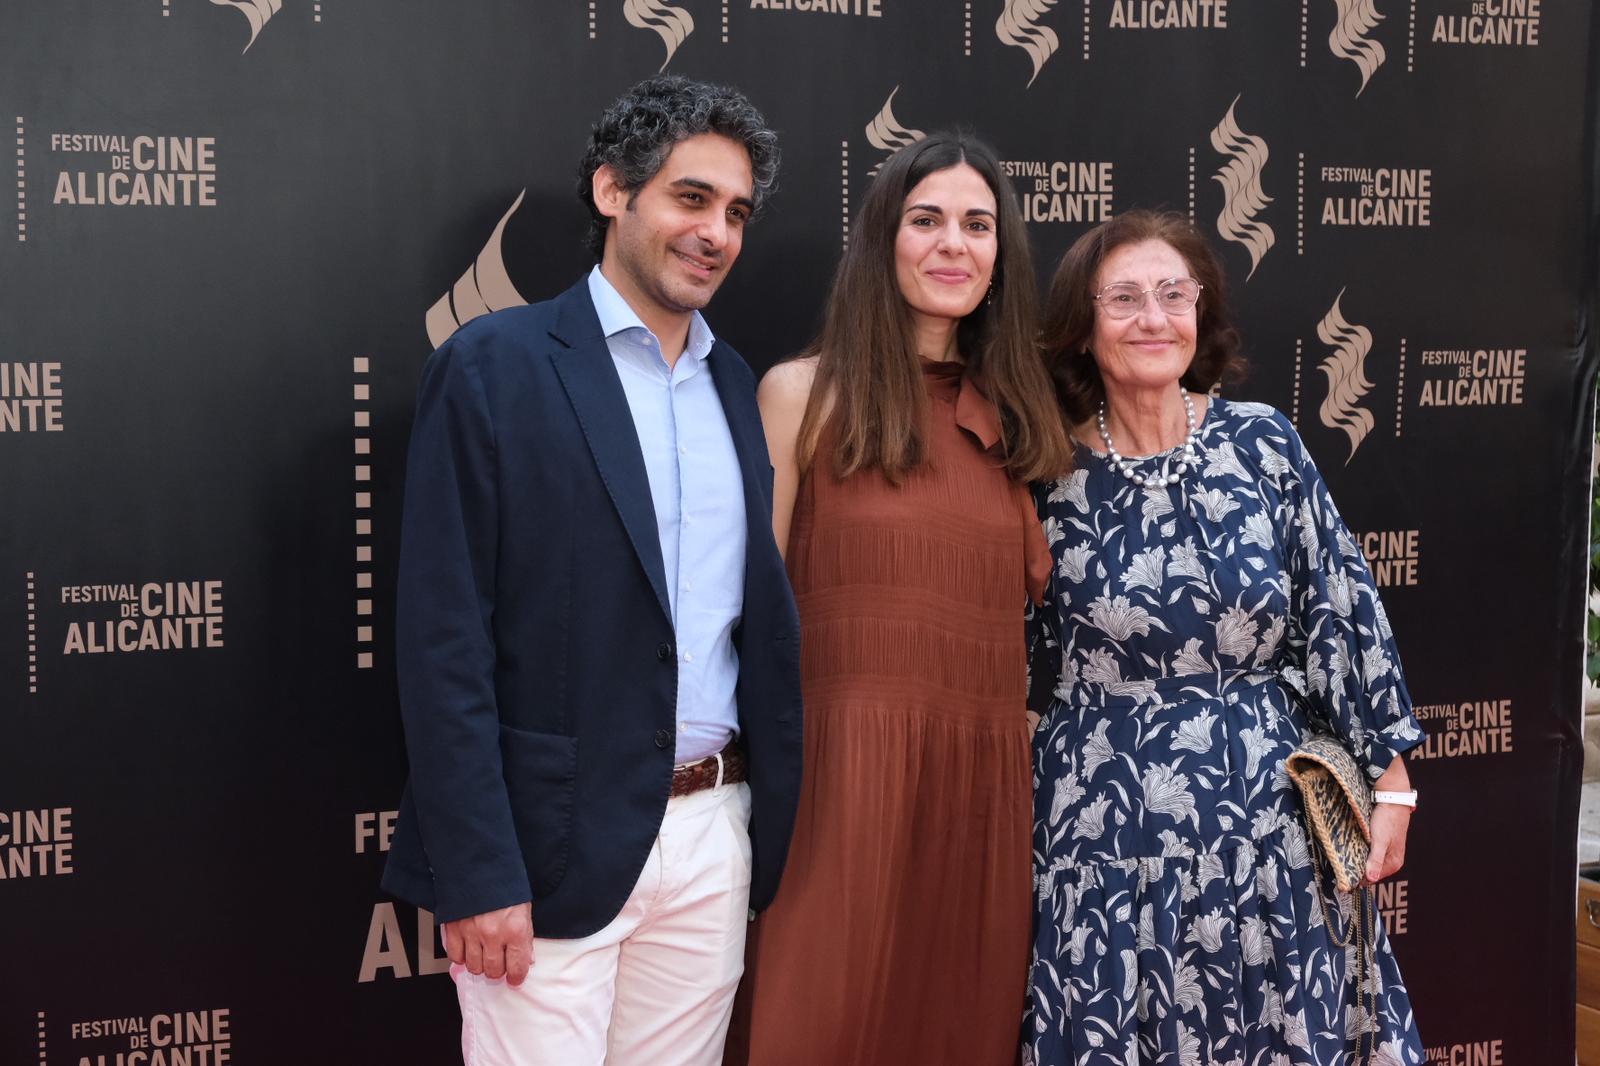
{"x":1167,"y":475}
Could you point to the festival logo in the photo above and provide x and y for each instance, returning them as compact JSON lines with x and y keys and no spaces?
{"x":1456,"y":730}
{"x":1350,"y":40}
{"x":31,"y":398}
{"x":36,"y":843}
{"x":256,"y":12}
{"x":1346,"y":371}
{"x":484,"y":287}
{"x":1472,"y":377}
{"x":1063,"y":190}
{"x":1242,"y":195}
{"x":133,"y":617}
{"x":1513,"y":23}
{"x":1393,"y":900}
{"x":1018,"y":26}
{"x":134,"y":171}
{"x":1376,"y":197}
{"x":672,"y":24}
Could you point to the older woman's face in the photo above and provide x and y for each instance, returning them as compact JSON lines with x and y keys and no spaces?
{"x":1152,"y":349}
{"x":945,"y":248}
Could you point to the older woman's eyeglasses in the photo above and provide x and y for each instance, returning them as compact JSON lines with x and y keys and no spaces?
{"x":1124,"y":299}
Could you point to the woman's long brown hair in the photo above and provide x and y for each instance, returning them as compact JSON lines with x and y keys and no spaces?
{"x":868,"y":387}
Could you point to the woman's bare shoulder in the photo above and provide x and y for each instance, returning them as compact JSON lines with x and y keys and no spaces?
{"x":789,"y":383}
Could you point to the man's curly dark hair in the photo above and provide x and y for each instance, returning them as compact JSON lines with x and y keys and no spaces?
{"x":637,"y":133}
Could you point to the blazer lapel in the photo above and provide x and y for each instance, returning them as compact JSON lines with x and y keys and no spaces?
{"x":589,"y":375}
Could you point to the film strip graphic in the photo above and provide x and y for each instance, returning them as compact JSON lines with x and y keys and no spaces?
{"x":33,"y":642}
{"x":22,"y":181}
{"x":362,"y":394}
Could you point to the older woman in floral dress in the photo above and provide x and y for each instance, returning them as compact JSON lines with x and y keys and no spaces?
{"x":1206,"y":601}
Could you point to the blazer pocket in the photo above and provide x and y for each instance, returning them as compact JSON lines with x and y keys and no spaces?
{"x":542,"y":780}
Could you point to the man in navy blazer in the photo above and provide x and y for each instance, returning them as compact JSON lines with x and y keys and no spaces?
{"x":597,"y":645}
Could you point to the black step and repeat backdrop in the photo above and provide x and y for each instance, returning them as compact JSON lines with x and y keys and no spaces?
{"x":240,"y":226}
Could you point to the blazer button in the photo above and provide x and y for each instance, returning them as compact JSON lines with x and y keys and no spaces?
{"x":663,"y":737}
{"x":664,"y":652}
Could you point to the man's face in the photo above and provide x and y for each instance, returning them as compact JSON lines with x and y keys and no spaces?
{"x":674,"y":238}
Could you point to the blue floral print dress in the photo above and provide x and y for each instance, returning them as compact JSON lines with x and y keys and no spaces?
{"x":1176,"y":901}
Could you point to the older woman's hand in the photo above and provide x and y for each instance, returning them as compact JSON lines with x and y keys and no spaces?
{"x":1389,"y":824}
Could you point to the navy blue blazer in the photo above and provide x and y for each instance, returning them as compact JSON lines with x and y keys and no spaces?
{"x":536,"y":661}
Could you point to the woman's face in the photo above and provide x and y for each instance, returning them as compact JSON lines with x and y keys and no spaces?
{"x":945,"y":248}
{"x":1152,"y":349}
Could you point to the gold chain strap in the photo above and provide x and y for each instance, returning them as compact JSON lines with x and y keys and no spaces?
{"x":1364,"y":931}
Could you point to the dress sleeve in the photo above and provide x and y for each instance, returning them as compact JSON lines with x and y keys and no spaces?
{"x":1339,"y":635}
{"x":1043,"y":620}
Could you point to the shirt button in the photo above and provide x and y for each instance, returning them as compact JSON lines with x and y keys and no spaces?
{"x":663,"y":739}
{"x":683,"y":449}
{"x":663,"y":651}
{"x":688,"y":656}
{"x":688,"y":586}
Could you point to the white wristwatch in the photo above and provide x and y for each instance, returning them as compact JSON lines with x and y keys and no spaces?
{"x":1399,"y":799}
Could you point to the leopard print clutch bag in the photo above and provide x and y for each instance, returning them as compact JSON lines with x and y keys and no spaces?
{"x":1337,"y":801}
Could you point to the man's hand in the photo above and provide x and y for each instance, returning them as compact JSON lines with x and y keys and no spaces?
{"x":496,"y":944}
{"x":1389,"y":825}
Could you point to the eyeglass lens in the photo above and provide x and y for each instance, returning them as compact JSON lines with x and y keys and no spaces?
{"x":1175,"y":296}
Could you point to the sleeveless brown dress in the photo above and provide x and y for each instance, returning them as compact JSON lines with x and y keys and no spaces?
{"x":900,"y":933}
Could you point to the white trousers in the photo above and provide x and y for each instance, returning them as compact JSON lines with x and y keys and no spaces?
{"x":653,"y":988}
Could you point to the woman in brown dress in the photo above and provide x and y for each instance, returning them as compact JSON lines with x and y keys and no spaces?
{"x":901,"y":445}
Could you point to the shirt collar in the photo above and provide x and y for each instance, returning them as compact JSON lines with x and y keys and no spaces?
{"x":617,"y":317}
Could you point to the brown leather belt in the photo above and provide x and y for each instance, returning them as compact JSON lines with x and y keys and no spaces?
{"x":701,"y":774}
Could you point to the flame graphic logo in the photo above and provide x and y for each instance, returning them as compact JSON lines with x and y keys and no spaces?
{"x":1242,"y":195}
{"x":673,"y":24}
{"x":1357,"y":18}
{"x":1018,"y":26}
{"x":484,"y":287}
{"x":1347,"y":375}
{"x":885,"y":132}
{"x":256,"y":12}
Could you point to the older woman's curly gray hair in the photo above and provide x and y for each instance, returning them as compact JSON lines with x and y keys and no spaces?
{"x":637,"y":133}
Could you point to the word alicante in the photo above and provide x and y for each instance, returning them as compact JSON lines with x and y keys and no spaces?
{"x":1491,"y":22}
{"x":1169,"y":14}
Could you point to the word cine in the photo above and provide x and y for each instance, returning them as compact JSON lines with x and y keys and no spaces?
{"x":36,"y":843}
{"x":1473,"y":728}
{"x":1169,"y":14}
{"x":30,"y":397}
{"x":1387,"y":197}
{"x":1491,"y":22}
{"x":145,"y":171}
{"x":1481,"y":1053}
{"x":1063,"y":191}
{"x":155,"y":617}
{"x":1392,"y":898}
{"x":182,"y":1038}
{"x":1391,"y":555}
{"x":1483,"y":376}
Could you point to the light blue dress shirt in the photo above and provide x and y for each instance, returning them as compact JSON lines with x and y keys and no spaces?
{"x":698,"y":492}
